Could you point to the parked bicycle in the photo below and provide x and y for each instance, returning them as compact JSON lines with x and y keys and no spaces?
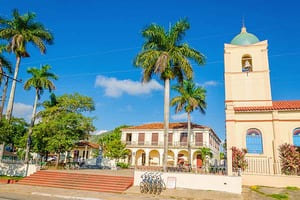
{"x":72,"y":165}
{"x":152,"y":183}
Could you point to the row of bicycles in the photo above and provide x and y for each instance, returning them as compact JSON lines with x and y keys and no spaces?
{"x":152,"y":183}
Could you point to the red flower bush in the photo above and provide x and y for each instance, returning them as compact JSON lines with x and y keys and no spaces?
{"x":289,"y":159}
{"x":238,"y":159}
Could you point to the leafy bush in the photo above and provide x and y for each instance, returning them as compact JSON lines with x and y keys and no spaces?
{"x":123,"y":165}
{"x":238,"y":159}
{"x":290,"y":159}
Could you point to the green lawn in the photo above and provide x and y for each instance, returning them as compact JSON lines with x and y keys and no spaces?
{"x":11,"y":177}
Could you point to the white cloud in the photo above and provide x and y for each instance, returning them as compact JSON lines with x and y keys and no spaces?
{"x":179,"y":117}
{"x":115,"y":88}
{"x":22,"y":110}
{"x":99,"y":132}
{"x":210,"y":83}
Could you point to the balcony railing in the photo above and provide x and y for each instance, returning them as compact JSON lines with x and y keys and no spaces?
{"x":161,"y":143}
{"x":154,"y":143}
{"x":198,"y":143}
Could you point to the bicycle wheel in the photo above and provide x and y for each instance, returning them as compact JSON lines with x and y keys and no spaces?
{"x":158,"y":188}
{"x":142,"y":187}
{"x":155,"y":188}
{"x":150,"y":188}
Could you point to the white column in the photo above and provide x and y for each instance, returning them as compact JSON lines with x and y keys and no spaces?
{"x":175,"y":158}
{"x":85,"y":155}
{"x":147,"y":158}
{"x":161,"y":154}
{"x":133,"y":158}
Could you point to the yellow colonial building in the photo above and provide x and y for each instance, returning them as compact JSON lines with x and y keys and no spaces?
{"x":145,"y":143}
{"x":253,"y":120}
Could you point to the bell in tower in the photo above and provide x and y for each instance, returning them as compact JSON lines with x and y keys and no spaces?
{"x":246,"y":63}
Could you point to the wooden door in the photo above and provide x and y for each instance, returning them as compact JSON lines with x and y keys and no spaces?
{"x":170,"y":139}
{"x":154,"y":139}
{"x":143,"y":159}
{"x":199,"y":139}
{"x":199,"y":161}
{"x":141,"y":138}
{"x":183,"y":139}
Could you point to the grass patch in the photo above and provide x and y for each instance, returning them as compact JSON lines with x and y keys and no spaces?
{"x":11,"y":177}
{"x":256,"y":188}
{"x":292,"y":188}
{"x":279,"y":196}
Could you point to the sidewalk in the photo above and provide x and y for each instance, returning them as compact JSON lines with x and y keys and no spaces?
{"x":20,"y":192}
{"x":24,"y":192}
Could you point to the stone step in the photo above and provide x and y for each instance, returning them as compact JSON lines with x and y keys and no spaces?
{"x":74,"y":184}
{"x":96,"y":178}
{"x":81,"y":181}
{"x":72,"y":179}
{"x":50,"y":174}
{"x":114,"y":190}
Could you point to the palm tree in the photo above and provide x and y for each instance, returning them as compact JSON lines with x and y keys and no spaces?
{"x":190,"y":98}
{"x":5,"y":65}
{"x":19,"y":31}
{"x":40,"y":80}
{"x":164,"y":54}
{"x":204,"y":153}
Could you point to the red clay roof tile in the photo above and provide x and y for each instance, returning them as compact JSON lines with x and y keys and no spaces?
{"x":159,"y":125}
{"x":277,"y":105}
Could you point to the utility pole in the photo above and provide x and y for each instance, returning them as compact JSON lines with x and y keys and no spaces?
{"x":7,"y":77}
{"x":5,"y":91}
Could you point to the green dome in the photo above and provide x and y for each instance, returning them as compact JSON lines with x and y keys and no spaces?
{"x":244,"y":38}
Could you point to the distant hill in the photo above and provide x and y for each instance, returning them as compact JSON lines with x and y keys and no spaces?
{"x":95,"y":138}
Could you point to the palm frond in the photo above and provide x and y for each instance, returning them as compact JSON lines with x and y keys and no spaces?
{"x":22,"y":29}
{"x":191,"y":53}
{"x":177,"y":32}
{"x":191,"y":97}
{"x":165,"y":55}
{"x":41,"y":79}
{"x":155,"y":36}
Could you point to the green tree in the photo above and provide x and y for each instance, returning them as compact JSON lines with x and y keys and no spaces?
{"x":12,"y":132}
{"x":40,"y":80}
{"x":204,"y":154}
{"x":163,"y":53}
{"x":19,"y":31}
{"x":190,"y":98}
{"x":222,"y":156}
{"x":63,"y":123}
{"x":111,"y":144}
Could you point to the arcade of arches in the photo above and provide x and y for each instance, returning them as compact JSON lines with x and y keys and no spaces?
{"x":154,"y":157}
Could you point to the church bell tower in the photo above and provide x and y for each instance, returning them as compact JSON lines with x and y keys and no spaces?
{"x":247,"y":75}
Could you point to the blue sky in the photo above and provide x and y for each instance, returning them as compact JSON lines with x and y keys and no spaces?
{"x":101,"y":38}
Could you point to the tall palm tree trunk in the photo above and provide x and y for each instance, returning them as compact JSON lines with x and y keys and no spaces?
{"x":1,"y":113}
{"x":13,"y":89}
{"x":3,"y":97}
{"x":31,"y":126}
{"x":189,"y":141}
{"x":166,"y":122}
